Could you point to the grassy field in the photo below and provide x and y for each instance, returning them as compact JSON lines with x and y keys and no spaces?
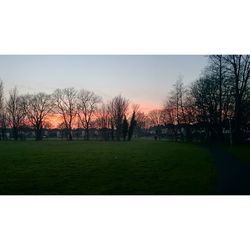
{"x":78,"y":167}
{"x":241,"y":152}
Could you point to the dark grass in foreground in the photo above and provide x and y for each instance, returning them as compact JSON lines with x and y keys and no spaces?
{"x":78,"y":167}
{"x":241,"y":152}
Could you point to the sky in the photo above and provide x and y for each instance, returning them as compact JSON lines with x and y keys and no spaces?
{"x":144,"y":80}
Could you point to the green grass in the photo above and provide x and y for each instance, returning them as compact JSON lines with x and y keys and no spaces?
{"x":241,"y":152}
{"x":78,"y":167}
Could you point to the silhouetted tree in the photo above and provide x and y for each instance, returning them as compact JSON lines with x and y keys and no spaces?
{"x":66,"y":106}
{"x":16,"y":111}
{"x":213,"y":94}
{"x":204,"y":92}
{"x":111,"y":113}
{"x":3,"y":122}
{"x":142,"y":123}
{"x":218,"y":71}
{"x":175,"y":110}
{"x":86,"y":108}
{"x":103,"y":121}
{"x":155,"y":117}
{"x":38,"y":108}
{"x":132,"y":126}
{"x":118,"y":108}
{"x":238,"y":67}
{"x":125,"y":128}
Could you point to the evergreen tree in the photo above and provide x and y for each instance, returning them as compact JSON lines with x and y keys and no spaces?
{"x":131,"y":126}
{"x":124,"y":128}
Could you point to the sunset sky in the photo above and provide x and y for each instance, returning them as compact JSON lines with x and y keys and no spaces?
{"x":142,"y":79}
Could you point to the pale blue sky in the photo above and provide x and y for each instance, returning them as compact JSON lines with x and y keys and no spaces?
{"x":142,"y":79}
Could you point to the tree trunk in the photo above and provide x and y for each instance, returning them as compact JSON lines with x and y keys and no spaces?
{"x":237,"y":120}
{"x":118,"y":133}
{"x":70,"y":138}
{"x":15,"y":133}
{"x":112,"y":132}
{"x":3,"y":133}
{"x":39,"y":135}
{"x":220,"y":102}
{"x":87,"y":132}
{"x":39,"y":132}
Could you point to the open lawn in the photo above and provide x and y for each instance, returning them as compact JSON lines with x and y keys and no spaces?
{"x":80,"y":167}
{"x":241,"y":152}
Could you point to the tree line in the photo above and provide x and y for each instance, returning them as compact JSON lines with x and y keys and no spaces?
{"x":217,"y":99}
{"x":73,"y":108}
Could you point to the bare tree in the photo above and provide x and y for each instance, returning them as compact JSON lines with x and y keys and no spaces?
{"x":118,"y":108}
{"x":142,"y":120}
{"x":190,"y":108}
{"x":155,"y":117}
{"x":1,"y":97}
{"x":177,"y":109}
{"x":176,"y":100}
{"x":2,"y":113}
{"x":87,"y":107}
{"x":37,"y":109}
{"x":239,"y":69}
{"x":218,"y":71}
{"x":111,"y":112}
{"x":103,"y":120}
{"x":65,"y":101}
{"x":204,"y":91}
{"x":16,"y":107}
{"x":168,"y":113}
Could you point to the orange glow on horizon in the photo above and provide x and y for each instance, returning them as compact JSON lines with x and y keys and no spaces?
{"x":54,"y":120}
